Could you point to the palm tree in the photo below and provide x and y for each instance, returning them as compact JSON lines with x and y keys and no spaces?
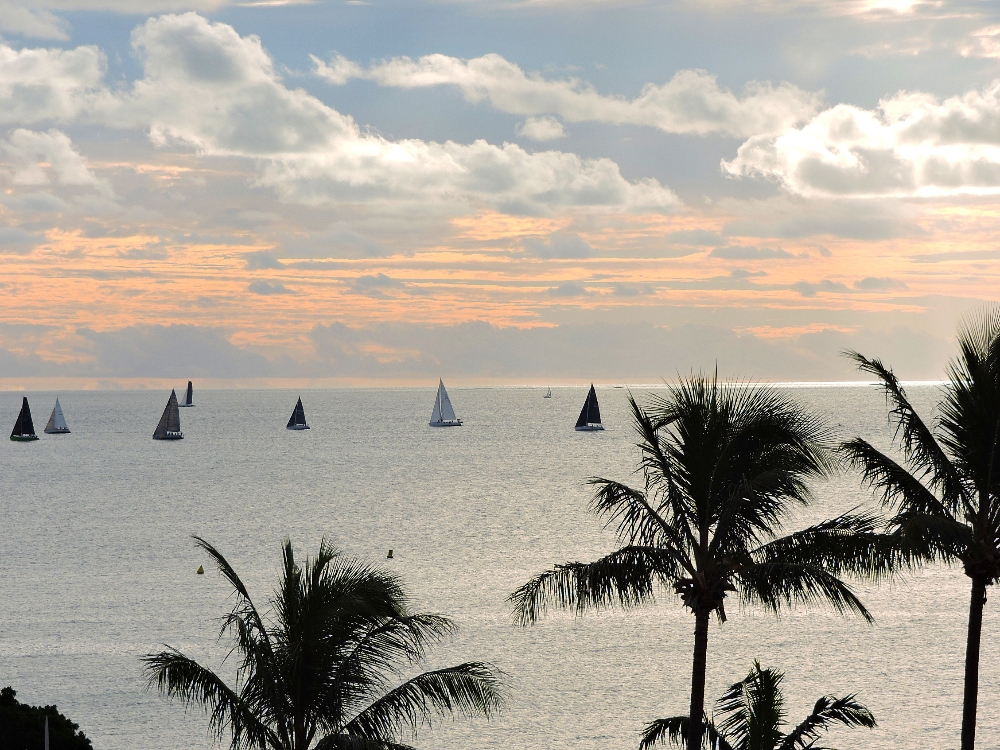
{"x":324,"y":670}
{"x":946,"y":492}
{"x":751,"y":716}
{"x":723,"y":466}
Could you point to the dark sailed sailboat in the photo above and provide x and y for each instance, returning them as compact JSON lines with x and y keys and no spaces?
{"x":24,"y":428}
{"x":590,"y":415}
{"x":188,"y":397}
{"x":169,"y":427}
{"x":298,"y":419}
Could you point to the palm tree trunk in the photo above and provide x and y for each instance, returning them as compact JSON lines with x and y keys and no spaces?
{"x":698,"y":678}
{"x":972,"y":664}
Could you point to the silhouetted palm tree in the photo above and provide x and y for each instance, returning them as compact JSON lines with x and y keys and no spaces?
{"x":946,"y":492}
{"x":751,"y":716}
{"x":324,"y":670}
{"x":723,"y":466}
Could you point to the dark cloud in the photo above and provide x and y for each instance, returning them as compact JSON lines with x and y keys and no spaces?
{"x":559,"y":245}
{"x":628,"y":289}
{"x":262,"y":287}
{"x":810,"y":289}
{"x":879,"y":284}
{"x":16,"y":241}
{"x":261,"y":260}
{"x":569,"y":289}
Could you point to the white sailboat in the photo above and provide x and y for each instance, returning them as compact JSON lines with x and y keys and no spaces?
{"x":548,"y":393}
{"x":57,"y":422}
{"x":443,"y":414}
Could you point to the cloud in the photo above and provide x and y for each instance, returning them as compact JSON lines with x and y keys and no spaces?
{"x":17,"y":241}
{"x":264,"y":288}
{"x":740,"y":252}
{"x":692,"y":102}
{"x":559,"y":245}
{"x":40,"y":158}
{"x":35,"y":23}
{"x":810,"y":289}
{"x":879,"y":284}
{"x":697,"y":237}
{"x":629,"y":289}
{"x":207,"y":87}
{"x":337,"y":241}
{"x":38,"y":85}
{"x":568,"y":289}
{"x":541,"y":129}
{"x":912,"y":144}
{"x":261,"y":260}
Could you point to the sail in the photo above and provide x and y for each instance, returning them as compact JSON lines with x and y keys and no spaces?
{"x":447,"y":412}
{"x":57,"y":422}
{"x":298,"y":418}
{"x":189,"y":396}
{"x":591,"y":411}
{"x":436,"y":414}
{"x":170,"y":422}
{"x":24,"y":427}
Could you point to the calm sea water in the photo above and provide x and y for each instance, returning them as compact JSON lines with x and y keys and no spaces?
{"x":97,"y":565}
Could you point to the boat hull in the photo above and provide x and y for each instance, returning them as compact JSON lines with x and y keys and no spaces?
{"x":297,"y":427}
{"x":589,"y":428}
{"x":185,"y":406}
{"x":23,"y":438}
{"x":448,"y":423}
{"x":170,"y":436}
{"x":58,"y":432}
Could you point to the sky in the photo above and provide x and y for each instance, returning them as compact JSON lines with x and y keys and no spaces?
{"x":492,"y":191}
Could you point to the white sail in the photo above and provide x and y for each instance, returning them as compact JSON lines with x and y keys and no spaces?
{"x":57,"y":422}
{"x":443,"y":414}
{"x":447,"y":412}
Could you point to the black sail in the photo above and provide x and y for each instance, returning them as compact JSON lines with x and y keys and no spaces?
{"x":170,"y":422}
{"x":594,"y":409}
{"x":24,"y":427}
{"x":298,"y":417}
{"x":189,"y":396}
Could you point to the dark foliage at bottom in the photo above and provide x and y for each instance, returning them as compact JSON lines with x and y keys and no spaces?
{"x":22,"y":727}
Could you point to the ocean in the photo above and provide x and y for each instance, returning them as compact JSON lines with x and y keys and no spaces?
{"x":97,"y":564}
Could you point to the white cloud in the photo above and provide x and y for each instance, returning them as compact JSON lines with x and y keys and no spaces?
{"x":541,"y":129}
{"x":39,"y":85}
{"x":37,"y":24}
{"x":207,"y":87}
{"x":691,"y":102}
{"x":912,"y":144}
{"x":42,"y":158}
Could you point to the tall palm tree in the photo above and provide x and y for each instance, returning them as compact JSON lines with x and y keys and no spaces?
{"x":751,"y":716}
{"x":946,"y":492}
{"x":324,"y":670}
{"x":723,"y":466}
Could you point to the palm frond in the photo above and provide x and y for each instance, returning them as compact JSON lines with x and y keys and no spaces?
{"x":752,"y":710}
{"x":625,"y":577}
{"x":674,"y":731}
{"x":177,"y":676}
{"x":471,"y":689}
{"x":828,"y":711}
{"x":774,"y":584}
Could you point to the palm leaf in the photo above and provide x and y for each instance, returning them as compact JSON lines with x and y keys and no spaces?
{"x":827,"y":712}
{"x":774,"y":584}
{"x":675,"y":730}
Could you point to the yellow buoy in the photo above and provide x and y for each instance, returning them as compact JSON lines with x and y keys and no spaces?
{"x":201,"y":570}
{"x":389,"y":556}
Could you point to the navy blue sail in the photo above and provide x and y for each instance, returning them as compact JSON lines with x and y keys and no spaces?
{"x":298,"y":419}
{"x":590,"y":415}
{"x":24,"y":428}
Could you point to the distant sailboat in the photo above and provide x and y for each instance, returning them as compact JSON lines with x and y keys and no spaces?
{"x":443,"y":414}
{"x":298,"y":419}
{"x":169,"y":427}
{"x":188,"y":397}
{"x":548,"y":393}
{"x":57,"y":422}
{"x":590,"y":415}
{"x":24,"y":428}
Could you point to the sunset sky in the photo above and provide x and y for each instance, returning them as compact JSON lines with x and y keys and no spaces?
{"x":493,"y":191}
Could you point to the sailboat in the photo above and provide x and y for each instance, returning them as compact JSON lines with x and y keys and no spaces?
{"x":24,"y":428}
{"x":57,"y":422}
{"x":298,"y":419}
{"x":443,"y":414}
{"x":548,"y":393}
{"x":169,"y":427}
{"x":188,"y":397}
{"x":590,"y":415}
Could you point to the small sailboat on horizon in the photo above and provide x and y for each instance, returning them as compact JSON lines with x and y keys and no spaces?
{"x":298,"y":419}
{"x":24,"y":428}
{"x":443,"y":414}
{"x":548,"y":393}
{"x":169,"y":426}
{"x":57,"y":422}
{"x":188,"y":396}
{"x":590,"y":415}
